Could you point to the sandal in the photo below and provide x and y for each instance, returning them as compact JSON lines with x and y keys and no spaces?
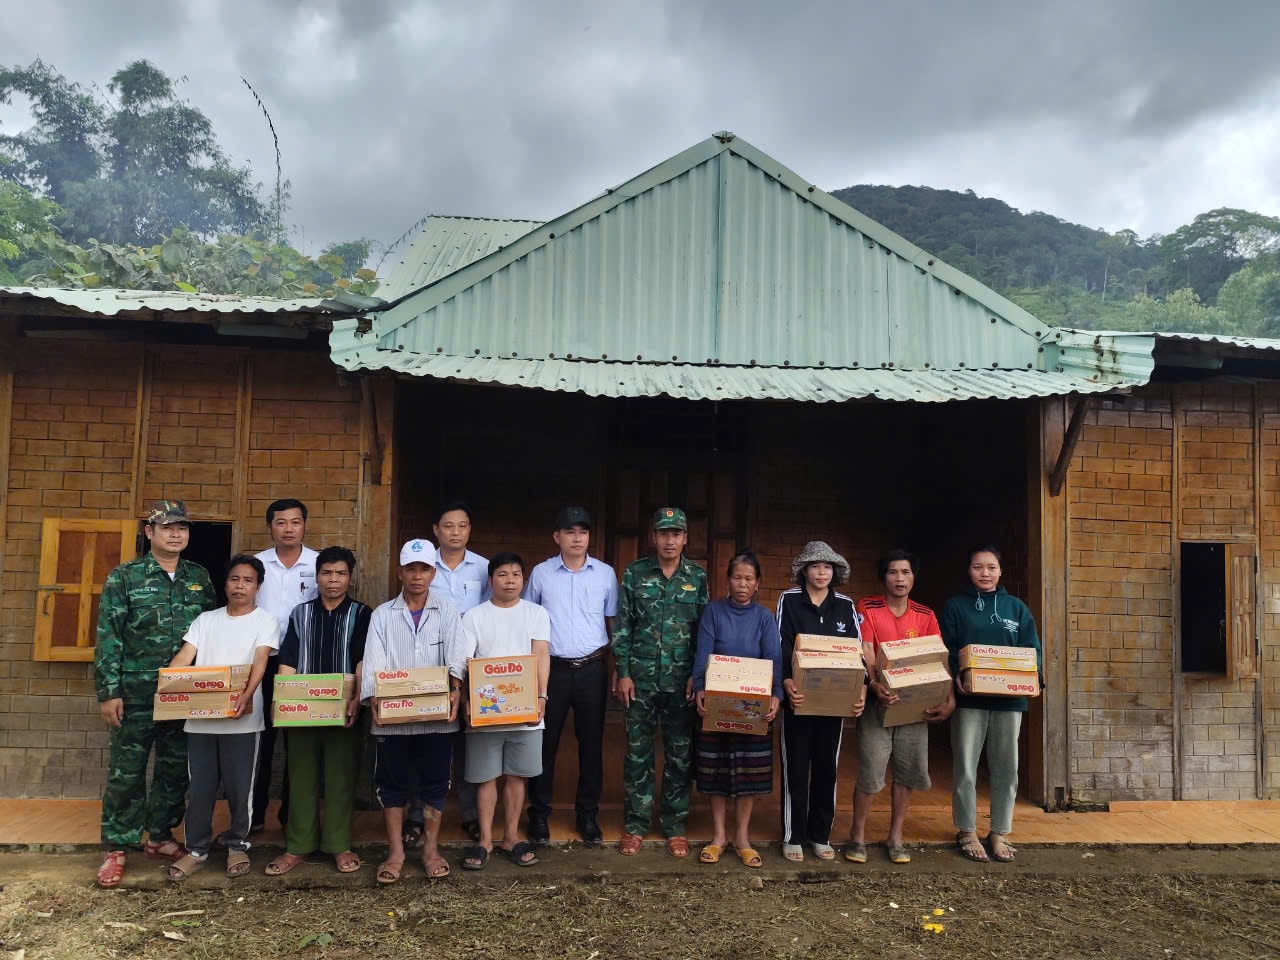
{"x":346,"y":862}
{"x":1001,"y":849}
{"x":282,"y":864}
{"x":472,"y":829}
{"x":856,"y":852}
{"x":164,"y":850}
{"x":411,"y":836}
{"x":678,"y":847}
{"x":237,"y":863}
{"x":183,"y":868}
{"x":476,"y":858}
{"x":710,"y":853}
{"x":823,"y":851}
{"x":437,"y":868}
{"x":630,"y":844}
{"x":899,"y":854}
{"x":793,"y":852}
{"x":749,"y":857}
{"x":971,"y":846}
{"x":389,"y":871}
{"x":112,"y":870}
{"x":522,"y":854}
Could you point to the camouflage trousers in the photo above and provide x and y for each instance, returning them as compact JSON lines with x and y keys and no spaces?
{"x":675,"y":715}
{"x":129,"y":805}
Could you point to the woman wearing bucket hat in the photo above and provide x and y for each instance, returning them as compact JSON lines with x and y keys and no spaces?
{"x":811,"y":744}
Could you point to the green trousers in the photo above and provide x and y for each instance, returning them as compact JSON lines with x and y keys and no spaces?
{"x":321,"y":760}
{"x":650,"y":710}
{"x":129,"y":805}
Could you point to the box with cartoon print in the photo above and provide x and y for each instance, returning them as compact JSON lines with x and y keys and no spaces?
{"x":503,"y":690}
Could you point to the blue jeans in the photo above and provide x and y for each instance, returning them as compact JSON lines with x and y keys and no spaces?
{"x":970,"y":730}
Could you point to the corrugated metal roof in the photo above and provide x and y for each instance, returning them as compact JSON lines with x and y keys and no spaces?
{"x":712,"y":382}
{"x":109,"y":302}
{"x":446,"y":244}
{"x":1133,"y":356}
{"x":718,"y":254}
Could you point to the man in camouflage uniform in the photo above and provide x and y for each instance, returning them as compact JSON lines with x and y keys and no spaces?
{"x":147,"y":605}
{"x":660,"y":600}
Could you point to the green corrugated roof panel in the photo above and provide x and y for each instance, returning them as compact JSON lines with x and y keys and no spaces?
{"x":445,"y":245}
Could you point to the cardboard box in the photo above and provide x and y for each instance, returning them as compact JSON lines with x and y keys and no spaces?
{"x":315,"y":686}
{"x":309,"y":713}
{"x":987,"y":657}
{"x":910,"y":652}
{"x":196,"y":706}
{"x":410,"y":681}
{"x":738,"y":690}
{"x":503,"y":690}
{"x":419,"y":708}
{"x":203,"y":679}
{"x":1000,"y":683}
{"x":812,"y":641}
{"x":832,"y":683}
{"x":920,"y":688}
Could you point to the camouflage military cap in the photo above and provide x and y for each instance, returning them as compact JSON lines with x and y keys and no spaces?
{"x":165,"y":512}
{"x":670,"y":518}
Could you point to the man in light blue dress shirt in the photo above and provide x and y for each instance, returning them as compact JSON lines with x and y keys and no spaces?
{"x":462,"y":578}
{"x":581,"y":595}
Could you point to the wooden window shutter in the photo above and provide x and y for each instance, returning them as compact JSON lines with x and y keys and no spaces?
{"x":1242,"y":621}
{"x":75,"y":558}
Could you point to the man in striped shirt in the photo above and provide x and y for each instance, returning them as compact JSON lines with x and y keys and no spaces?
{"x":413,"y":630}
{"x":325,"y":635}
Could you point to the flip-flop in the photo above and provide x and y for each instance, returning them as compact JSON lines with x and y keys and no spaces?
{"x":181,"y":869}
{"x":971,"y":847}
{"x":899,"y":854}
{"x":411,"y":836}
{"x":1001,"y":849}
{"x":476,"y":858}
{"x":388,"y":872}
{"x":237,"y":863}
{"x":112,"y":870}
{"x":823,"y":851}
{"x":749,"y":857}
{"x":517,"y":854}
{"x":710,"y":854}
{"x":436,"y":868}
{"x":793,"y":852}
{"x":856,"y":852}
{"x":283,"y":864}
{"x":346,"y":862}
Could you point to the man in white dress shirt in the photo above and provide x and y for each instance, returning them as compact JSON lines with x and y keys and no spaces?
{"x":290,"y":580}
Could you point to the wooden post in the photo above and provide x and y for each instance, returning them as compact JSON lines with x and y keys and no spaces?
{"x":240,"y":482}
{"x":9,"y":334}
{"x":377,"y":502}
{"x":1049,"y":727}
{"x":141,"y":427}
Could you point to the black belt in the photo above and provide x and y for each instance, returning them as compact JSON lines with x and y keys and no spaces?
{"x":581,"y":661}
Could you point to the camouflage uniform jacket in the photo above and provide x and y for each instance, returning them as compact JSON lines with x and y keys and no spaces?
{"x":654,"y":633}
{"x":142,"y":618}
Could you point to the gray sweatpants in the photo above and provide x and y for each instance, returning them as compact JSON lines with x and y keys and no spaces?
{"x":229,"y":760}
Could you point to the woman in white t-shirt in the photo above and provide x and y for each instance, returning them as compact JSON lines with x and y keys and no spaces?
{"x":223,"y":752}
{"x":506,"y":626}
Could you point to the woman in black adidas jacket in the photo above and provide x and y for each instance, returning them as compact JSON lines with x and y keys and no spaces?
{"x":811,"y":744}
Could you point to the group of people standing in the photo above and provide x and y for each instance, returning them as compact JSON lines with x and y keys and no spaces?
{"x":645,"y":640}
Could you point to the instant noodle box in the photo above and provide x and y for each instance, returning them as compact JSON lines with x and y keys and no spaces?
{"x":832,"y":683}
{"x":203,"y":679}
{"x":504,"y":690}
{"x":413,"y":709}
{"x":196,"y":706}
{"x":920,"y":688}
{"x":410,"y":681}
{"x":309,"y":713}
{"x":910,"y":652}
{"x":737,"y":696}
{"x":812,"y":641}
{"x":315,"y":686}
{"x":988,"y":657}
{"x":1000,"y":683}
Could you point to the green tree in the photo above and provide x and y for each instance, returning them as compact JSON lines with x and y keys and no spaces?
{"x":129,"y":172}
{"x":1205,"y":252}
{"x":23,"y":218}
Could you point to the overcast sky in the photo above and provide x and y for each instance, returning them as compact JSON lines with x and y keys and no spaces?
{"x":1134,"y":114}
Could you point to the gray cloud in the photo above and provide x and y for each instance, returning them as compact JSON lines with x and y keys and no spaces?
{"x":1138,"y":114}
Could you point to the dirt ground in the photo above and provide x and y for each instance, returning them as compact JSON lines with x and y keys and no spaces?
{"x":1060,"y":903}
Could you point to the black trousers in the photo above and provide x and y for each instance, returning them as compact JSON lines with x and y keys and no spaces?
{"x":810,"y":753}
{"x":266,"y":753}
{"x":584,"y":690}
